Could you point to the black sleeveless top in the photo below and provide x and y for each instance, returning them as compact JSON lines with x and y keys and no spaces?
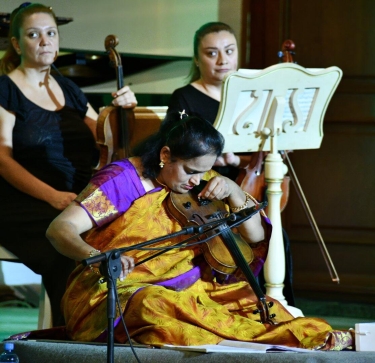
{"x":55,"y":146}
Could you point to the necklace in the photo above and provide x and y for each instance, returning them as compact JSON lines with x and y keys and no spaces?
{"x":161,"y":183}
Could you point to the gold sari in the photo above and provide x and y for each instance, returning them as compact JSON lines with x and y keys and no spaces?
{"x":203,"y":312}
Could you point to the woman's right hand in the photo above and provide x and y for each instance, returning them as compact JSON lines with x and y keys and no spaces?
{"x":228,"y":159}
{"x":127,"y":266}
{"x":60,"y":200}
{"x":124,"y":97}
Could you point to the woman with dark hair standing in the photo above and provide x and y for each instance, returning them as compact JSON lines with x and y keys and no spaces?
{"x":215,"y":55}
{"x":47,"y":145}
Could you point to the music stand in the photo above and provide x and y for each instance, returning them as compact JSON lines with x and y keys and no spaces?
{"x":279,"y":108}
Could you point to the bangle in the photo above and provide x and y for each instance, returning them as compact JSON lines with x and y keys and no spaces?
{"x":92,"y":254}
{"x":243,"y":206}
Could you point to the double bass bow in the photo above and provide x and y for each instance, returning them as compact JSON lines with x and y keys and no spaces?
{"x":224,"y":253}
{"x":114,"y":123}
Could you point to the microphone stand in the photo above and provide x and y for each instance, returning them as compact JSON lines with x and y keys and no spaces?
{"x":111,"y":263}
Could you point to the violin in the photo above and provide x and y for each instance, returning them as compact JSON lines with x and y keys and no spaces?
{"x":224,"y":253}
{"x":114,"y":123}
{"x":252,"y":180}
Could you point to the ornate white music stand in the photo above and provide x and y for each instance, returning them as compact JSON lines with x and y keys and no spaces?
{"x":279,"y":108}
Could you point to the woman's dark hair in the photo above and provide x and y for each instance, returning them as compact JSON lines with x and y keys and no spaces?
{"x":188,"y":138}
{"x":208,"y":28}
{"x":11,"y":60}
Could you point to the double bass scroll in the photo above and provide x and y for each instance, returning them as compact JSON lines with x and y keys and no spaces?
{"x":287,"y":52}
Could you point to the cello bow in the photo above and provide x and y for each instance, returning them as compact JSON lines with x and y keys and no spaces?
{"x":310,"y":217}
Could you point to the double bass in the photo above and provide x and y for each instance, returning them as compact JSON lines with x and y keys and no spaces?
{"x":114,"y":123}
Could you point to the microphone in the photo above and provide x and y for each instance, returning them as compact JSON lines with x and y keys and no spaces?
{"x":245,"y":214}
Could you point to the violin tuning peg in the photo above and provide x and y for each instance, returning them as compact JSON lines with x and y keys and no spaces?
{"x":270,"y":304}
{"x":256,"y":311}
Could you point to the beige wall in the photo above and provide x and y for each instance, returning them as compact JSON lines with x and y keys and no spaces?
{"x":159,"y":27}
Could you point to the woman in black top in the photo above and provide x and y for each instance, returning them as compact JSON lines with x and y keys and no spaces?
{"x":47,"y":144}
{"x":215,"y":54}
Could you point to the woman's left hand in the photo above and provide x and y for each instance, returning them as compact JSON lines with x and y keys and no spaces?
{"x":228,"y":159}
{"x":125,"y":98}
{"x":221,"y":187}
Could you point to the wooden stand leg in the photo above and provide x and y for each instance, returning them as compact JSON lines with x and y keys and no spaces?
{"x":274,"y":268}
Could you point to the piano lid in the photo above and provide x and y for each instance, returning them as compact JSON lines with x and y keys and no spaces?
{"x":162,"y":79}
{"x":153,"y":86}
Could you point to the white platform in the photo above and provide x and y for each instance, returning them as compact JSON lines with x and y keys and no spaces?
{"x":12,"y":274}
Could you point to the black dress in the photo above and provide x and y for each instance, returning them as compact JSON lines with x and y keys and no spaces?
{"x":58,"y":148}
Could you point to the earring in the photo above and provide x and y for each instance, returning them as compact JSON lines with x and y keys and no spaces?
{"x":161,"y":164}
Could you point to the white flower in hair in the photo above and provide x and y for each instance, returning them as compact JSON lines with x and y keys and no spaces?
{"x":183,"y":114}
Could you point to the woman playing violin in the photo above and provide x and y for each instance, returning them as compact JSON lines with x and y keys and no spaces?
{"x":47,"y":144}
{"x":174,"y":298}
